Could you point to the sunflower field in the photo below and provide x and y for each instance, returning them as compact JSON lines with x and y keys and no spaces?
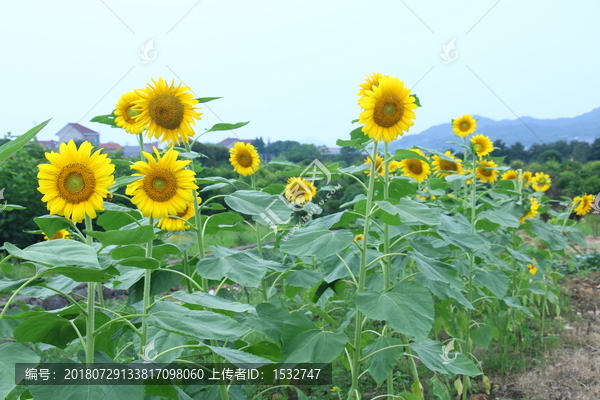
{"x":399,"y":289}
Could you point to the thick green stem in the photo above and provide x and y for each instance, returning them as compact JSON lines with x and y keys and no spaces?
{"x":353,"y":394}
{"x":91,"y":293}
{"x":146,"y":300}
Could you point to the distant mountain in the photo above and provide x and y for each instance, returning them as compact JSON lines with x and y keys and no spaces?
{"x":584,"y":128}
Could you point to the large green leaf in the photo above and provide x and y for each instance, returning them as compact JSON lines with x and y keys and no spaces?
{"x":494,"y":280}
{"x":8,"y":149}
{"x":411,"y":211}
{"x":436,"y":270}
{"x":252,"y":202}
{"x":140,"y":262}
{"x":9,"y":284}
{"x":240,"y":358}
{"x":62,"y":283}
{"x":215,"y":302}
{"x":48,"y":328}
{"x":315,"y":346}
{"x":318,"y":241}
{"x":57,"y":253}
{"x":500,"y":218}
{"x":223,"y":221}
{"x":402,"y":154}
{"x":381,"y":364}
{"x":431,"y":353}
{"x":141,"y":234}
{"x":198,"y":324}
{"x":226,"y":126}
{"x":10,"y":354}
{"x":408,"y":308}
{"x":50,"y":224}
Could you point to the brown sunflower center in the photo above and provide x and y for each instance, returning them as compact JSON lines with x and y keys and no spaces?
{"x":388,"y":110}
{"x":485,"y":171}
{"x":245,"y":160}
{"x":160,"y":184}
{"x":446,"y":165}
{"x":415,"y":167}
{"x":75,"y":183}
{"x":166,"y":110}
{"x":464,"y":126}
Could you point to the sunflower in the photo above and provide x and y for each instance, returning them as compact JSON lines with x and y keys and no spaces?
{"x":527,"y":178}
{"x":244,"y":158}
{"x":167,"y":110}
{"x":532,"y":269}
{"x":509,"y":175}
{"x":372,"y":80}
{"x":387,"y":110}
{"x":62,"y":234}
{"x":358,"y":238}
{"x":417,"y":169}
{"x":482,"y":145}
{"x":583,"y":204}
{"x":176,"y":224}
{"x":166,"y":187}
{"x":444,"y":165}
{"x":394,"y":166}
{"x":378,"y":165}
{"x":541,"y":182}
{"x":486,"y":173}
{"x":126,"y":115}
{"x":532,"y":211}
{"x":76,"y":181}
{"x":299,"y":191}
{"x":464,"y":125}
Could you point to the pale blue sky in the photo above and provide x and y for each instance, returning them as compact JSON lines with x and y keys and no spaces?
{"x":293,"y":68}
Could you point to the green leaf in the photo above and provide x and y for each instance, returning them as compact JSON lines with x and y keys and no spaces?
{"x":214,"y":302}
{"x":382,"y":363}
{"x":62,"y":283}
{"x":315,"y":346}
{"x":252,"y":202}
{"x":207,"y":99}
{"x":222,"y":221}
{"x":162,"y":250}
{"x":303,"y":278}
{"x":9,"y":148}
{"x":10,"y":207}
{"x":430,"y":352}
{"x":318,"y":241}
{"x":106,"y":119}
{"x":121,"y":252}
{"x":50,"y":224}
{"x":123,"y":181}
{"x":283,"y":163}
{"x":141,"y":234}
{"x":358,"y":137}
{"x":436,"y":270}
{"x":114,"y":220}
{"x":7,"y":284}
{"x":494,"y":280}
{"x":226,"y":127}
{"x":140,"y":262}
{"x":10,"y":354}
{"x":411,"y":211}
{"x":402,"y":154}
{"x":198,"y":324}
{"x":408,"y":308}
{"x":182,"y":239}
{"x":48,"y":328}
{"x":482,"y":336}
{"x":500,"y":218}
{"x":439,"y":389}
{"x":57,"y":253}
{"x":514,"y":302}
{"x":240,"y":358}
{"x":417,"y":101}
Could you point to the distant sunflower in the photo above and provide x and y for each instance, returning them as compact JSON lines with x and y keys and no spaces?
{"x":378,"y":165}
{"x":532,"y":210}
{"x":485,"y":173}
{"x":166,"y":186}
{"x":444,"y":165}
{"x":394,"y":166}
{"x":532,"y":269}
{"x":126,"y":115}
{"x":417,"y":169}
{"x":482,"y":145}
{"x":370,"y":81}
{"x":358,"y":238}
{"x":76,"y":181}
{"x":168,"y":111}
{"x":62,"y":234}
{"x":299,"y":191}
{"x":387,"y":110}
{"x":541,"y":182}
{"x":176,"y":224}
{"x":583,"y":204}
{"x":509,"y":175}
{"x":526,"y":178}
{"x":464,"y":125}
{"x":244,"y":158}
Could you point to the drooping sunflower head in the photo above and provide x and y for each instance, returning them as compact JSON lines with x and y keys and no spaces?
{"x":126,"y":115}
{"x":299,"y":191}
{"x":62,"y":234}
{"x":482,"y":145}
{"x":532,"y":210}
{"x":165,"y":187}
{"x":76,"y":181}
{"x":464,"y":125}
{"x":417,"y":169}
{"x":583,"y":204}
{"x":541,"y":182}
{"x":387,"y":110}
{"x":167,"y":110}
{"x":509,"y":175}
{"x":370,"y":81}
{"x":485,"y":171}
{"x":177,"y":224}
{"x":379,"y":167}
{"x":244,"y":158}
{"x":445,"y":167}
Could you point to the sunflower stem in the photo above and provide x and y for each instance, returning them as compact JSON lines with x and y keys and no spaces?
{"x":353,"y":394}
{"x":187,"y":272}
{"x":146,"y":300}
{"x":91,"y":292}
{"x":263,"y":285}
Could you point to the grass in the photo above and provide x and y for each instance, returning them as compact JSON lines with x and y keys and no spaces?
{"x":233,"y":238}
